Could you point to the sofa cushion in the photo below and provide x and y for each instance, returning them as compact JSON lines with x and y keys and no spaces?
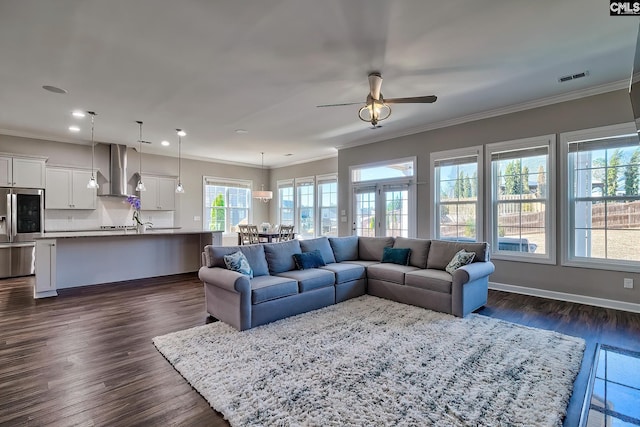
{"x":267,"y":288}
{"x":393,"y":273}
{"x":419,"y":250}
{"x":214,"y":257}
{"x":461,"y":258}
{"x":441,"y":252}
{"x":307,"y":260}
{"x":344,"y":248}
{"x":429,"y":279}
{"x":238,"y":262}
{"x":346,"y":271}
{"x":370,"y":248}
{"x":322,"y":244}
{"x":365,"y":264}
{"x":280,"y":255}
{"x":310,"y":279}
{"x":398,"y":256}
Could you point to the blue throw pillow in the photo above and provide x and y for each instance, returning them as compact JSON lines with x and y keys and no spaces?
{"x":307,"y":260}
{"x":238,"y":262}
{"x":396,"y":255}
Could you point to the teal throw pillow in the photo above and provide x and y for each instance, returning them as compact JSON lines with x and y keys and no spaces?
{"x":396,"y":255}
{"x":307,"y":260}
{"x":461,"y":258}
{"x":238,"y":262}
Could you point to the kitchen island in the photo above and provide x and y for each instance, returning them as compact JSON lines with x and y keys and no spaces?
{"x":81,"y":258}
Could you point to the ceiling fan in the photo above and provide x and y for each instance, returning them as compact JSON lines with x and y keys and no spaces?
{"x":377,"y":107}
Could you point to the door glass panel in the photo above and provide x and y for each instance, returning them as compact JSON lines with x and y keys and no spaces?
{"x":396,"y":213}
{"x":28,"y":210}
{"x":365,"y":213}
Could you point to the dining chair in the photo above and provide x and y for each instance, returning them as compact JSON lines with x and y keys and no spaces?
{"x":285,"y":233}
{"x":244,"y":234}
{"x":252,"y":234}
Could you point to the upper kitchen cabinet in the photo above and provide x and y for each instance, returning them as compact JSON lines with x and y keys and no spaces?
{"x":22,"y":172}
{"x":160,"y":194}
{"x":67,"y":189}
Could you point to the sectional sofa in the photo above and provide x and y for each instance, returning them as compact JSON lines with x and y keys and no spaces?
{"x":354,"y":266}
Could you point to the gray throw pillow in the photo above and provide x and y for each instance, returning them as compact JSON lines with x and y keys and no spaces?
{"x":461,"y":258}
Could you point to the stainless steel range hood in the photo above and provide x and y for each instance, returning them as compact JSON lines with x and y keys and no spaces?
{"x":117,"y":185}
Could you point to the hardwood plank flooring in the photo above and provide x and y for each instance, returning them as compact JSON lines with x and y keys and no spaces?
{"x":86,"y":357}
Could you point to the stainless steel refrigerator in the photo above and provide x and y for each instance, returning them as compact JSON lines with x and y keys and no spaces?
{"x":21,"y":221}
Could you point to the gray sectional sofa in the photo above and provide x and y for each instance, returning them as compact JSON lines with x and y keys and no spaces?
{"x":353,"y":267}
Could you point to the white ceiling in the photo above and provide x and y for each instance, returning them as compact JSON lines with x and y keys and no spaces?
{"x":212,"y":67}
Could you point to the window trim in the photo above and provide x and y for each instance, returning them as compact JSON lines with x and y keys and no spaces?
{"x":285,"y":183}
{"x":550,"y":215}
{"x":476,"y":150}
{"x":566,"y":258}
{"x":322,"y":179}
{"x":240,"y":182}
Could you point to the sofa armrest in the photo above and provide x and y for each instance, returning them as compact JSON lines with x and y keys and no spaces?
{"x":475,"y":270}
{"x":221,"y":277}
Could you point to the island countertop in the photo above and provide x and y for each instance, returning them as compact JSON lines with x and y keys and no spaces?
{"x":121,"y":232}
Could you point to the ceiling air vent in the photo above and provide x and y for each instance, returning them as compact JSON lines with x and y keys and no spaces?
{"x":573,"y":76}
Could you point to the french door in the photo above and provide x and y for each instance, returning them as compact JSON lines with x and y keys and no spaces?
{"x":384,"y":210}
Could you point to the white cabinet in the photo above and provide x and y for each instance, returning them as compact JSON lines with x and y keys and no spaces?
{"x":21,"y":172}
{"x":160,"y":194}
{"x":45,"y":268}
{"x":67,"y":189}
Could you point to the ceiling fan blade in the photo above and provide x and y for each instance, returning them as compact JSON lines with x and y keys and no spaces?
{"x":414,"y":100}
{"x":340,"y":105}
{"x":375,"y":83}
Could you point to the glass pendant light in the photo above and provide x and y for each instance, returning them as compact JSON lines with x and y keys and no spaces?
{"x":140,"y":186}
{"x":92,"y":181}
{"x":179,"y":187}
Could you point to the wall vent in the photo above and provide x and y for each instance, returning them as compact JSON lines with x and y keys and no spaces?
{"x":573,"y":76}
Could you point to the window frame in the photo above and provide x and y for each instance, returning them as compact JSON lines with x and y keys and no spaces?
{"x":567,"y":258}
{"x":320,"y":180}
{"x":286,"y":183}
{"x":457,"y":153}
{"x":299,"y":183}
{"x":221,"y":181}
{"x":550,"y":208}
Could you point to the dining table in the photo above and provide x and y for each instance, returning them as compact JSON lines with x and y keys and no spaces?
{"x":268,"y":236}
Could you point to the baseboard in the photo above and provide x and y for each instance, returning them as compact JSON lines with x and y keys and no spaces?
{"x":561,"y":296}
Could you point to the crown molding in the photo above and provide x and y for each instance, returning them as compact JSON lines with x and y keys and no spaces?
{"x":542,"y":102}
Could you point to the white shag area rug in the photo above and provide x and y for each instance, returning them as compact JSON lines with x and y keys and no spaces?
{"x":373,"y":362}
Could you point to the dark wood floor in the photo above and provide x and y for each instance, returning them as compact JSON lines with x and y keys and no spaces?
{"x":86,"y":357}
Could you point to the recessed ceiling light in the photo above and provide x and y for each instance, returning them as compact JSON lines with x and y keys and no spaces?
{"x":181,"y":132}
{"x":240,"y":131}
{"x":77,"y":113}
{"x":54,"y":89}
{"x":74,"y":128}
{"x":165,"y":143}
{"x":288,"y":155}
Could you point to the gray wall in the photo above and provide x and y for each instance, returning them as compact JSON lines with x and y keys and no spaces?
{"x":600,"y":110}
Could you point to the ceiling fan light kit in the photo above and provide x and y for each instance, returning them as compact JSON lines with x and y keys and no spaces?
{"x":377,"y":108}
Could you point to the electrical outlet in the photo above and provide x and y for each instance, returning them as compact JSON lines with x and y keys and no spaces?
{"x":628,"y":283}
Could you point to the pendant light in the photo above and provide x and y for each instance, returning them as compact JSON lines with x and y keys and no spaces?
{"x":263,"y":195}
{"x":140,"y":186}
{"x":92,"y":182}
{"x":179,"y":187}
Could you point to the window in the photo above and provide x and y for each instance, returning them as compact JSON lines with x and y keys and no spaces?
{"x":384,"y":199}
{"x":603,"y":197}
{"x":305,"y":206}
{"x":327,"y":205}
{"x":286,"y":207}
{"x":522,"y":182}
{"x":457,"y":193}
{"x":227,"y":203}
